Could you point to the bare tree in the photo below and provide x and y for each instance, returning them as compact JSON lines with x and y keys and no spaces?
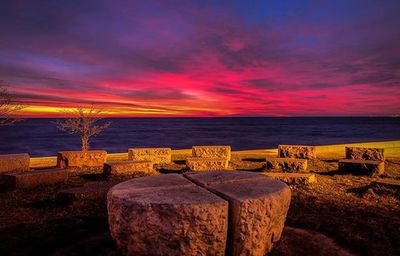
{"x":86,"y":125}
{"x":8,"y":107}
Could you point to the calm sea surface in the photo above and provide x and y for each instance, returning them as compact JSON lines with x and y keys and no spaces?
{"x":39,"y":137}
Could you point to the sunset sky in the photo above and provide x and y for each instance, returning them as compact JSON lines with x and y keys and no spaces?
{"x":203,"y":58}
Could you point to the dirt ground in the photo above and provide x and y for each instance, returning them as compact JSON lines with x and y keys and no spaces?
{"x":338,"y":215}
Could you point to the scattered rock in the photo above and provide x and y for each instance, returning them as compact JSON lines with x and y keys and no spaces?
{"x":293,"y":178}
{"x":14,"y":162}
{"x":297,"y":151}
{"x":362,"y":167}
{"x":286,"y":164}
{"x":155,"y":155}
{"x":206,"y":164}
{"x":128,"y":167}
{"x":375,"y":154}
{"x":66,"y":159}
{"x":212,"y":152}
{"x":33,"y":179}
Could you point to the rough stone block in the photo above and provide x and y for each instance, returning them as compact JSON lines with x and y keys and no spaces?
{"x":286,"y":164}
{"x":206,"y":164}
{"x":293,"y":178}
{"x":33,"y":179}
{"x":14,"y":162}
{"x":212,"y":152}
{"x":375,"y":154}
{"x":155,"y":155}
{"x":167,"y":220}
{"x":257,"y":210}
{"x":90,"y":158}
{"x":362,"y":167}
{"x":297,"y":151}
{"x":128,"y":167}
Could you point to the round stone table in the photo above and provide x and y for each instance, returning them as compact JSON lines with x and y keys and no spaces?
{"x":173,"y":214}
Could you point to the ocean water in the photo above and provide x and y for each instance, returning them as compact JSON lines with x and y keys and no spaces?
{"x":40,"y":137}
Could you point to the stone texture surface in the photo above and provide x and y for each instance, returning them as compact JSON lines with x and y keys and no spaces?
{"x":297,"y":151}
{"x":155,"y":155}
{"x":257,"y":210}
{"x":167,"y":220}
{"x":293,"y":178}
{"x":212,"y":152}
{"x":376,"y":154}
{"x":90,"y":158}
{"x":128,"y":167}
{"x":206,"y":164}
{"x":286,"y":164}
{"x":33,"y":179}
{"x":153,"y":182}
{"x":362,"y":167}
{"x":14,"y":162}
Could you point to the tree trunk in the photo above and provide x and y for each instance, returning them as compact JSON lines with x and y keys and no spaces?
{"x":85,"y":143}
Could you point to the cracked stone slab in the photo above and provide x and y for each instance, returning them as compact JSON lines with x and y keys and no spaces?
{"x":170,"y":219}
{"x":187,"y":217}
{"x":258,"y":207}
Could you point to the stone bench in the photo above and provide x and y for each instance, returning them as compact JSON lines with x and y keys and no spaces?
{"x":32,"y":179}
{"x":297,"y":151}
{"x":293,"y":178}
{"x":167,"y":215}
{"x":361,"y":167}
{"x":189,"y":215}
{"x":14,"y":162}
{"x":212,"y":152}
{"x":206,"y":164}
{"x":286,"y":164}
{"x":92,"y":158}
{"x":376,"y":154}
{"x":257,"y":208}
{"x":155,"y":155}
{"x":128,"y":167}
